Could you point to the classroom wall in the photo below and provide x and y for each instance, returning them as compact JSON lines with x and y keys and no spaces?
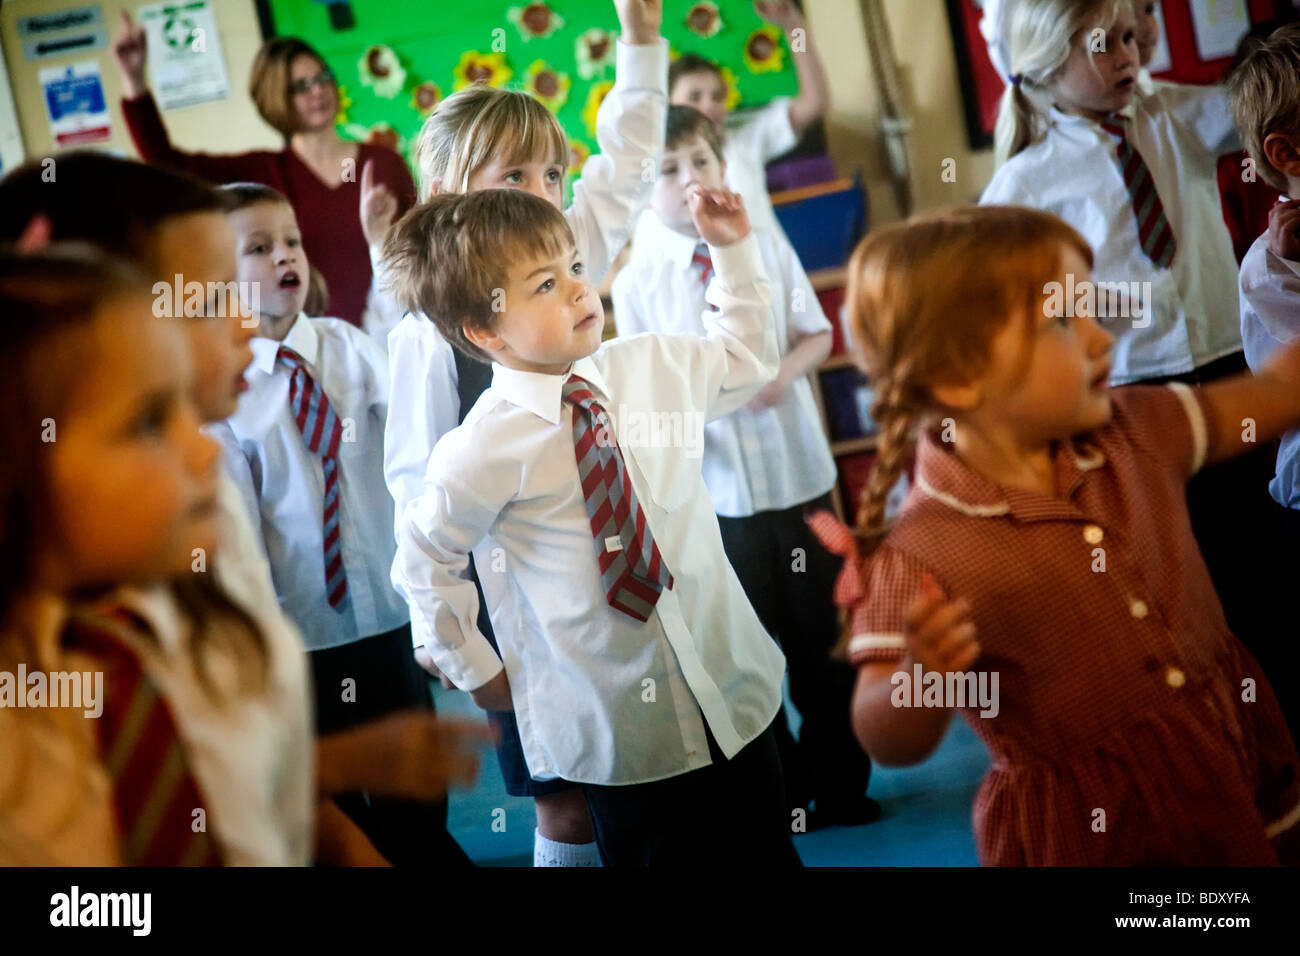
{"x":229,"y":124}
{"x":923,"y":47}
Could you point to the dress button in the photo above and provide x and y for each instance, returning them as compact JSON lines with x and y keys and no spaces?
{"x":1174,"y":677}
{"x":1138,"y":609}
{"x":1092,"y":534}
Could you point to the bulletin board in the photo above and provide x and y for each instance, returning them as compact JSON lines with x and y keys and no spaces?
{"x":401,"y":57}
{"x":982,"y":86}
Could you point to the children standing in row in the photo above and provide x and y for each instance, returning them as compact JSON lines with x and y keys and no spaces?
{"x":1046,"y":542}
{"x":627,"y":650}
{"x":763,"y":465}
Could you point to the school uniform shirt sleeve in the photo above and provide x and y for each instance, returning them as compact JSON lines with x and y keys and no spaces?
{"x":630,"y":135}
{"x":628,"y":317}
{"x":471,"y":479}
{"x":238,"y":469}
{"x":766,"y":132}
{"x":1166,"y":424}
{"x":1204,"y":112}
{"x":804,"y":309}
{"x":876,"y":624}
{"x":1270,"y":299}
{"x":382,"y":312}
{"x":423,"y":405}
{"x":738,"y":353}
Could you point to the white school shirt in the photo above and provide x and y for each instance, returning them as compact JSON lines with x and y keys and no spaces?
{"x":1270,"y":317}
{"x":253,"y":757}
{"x":282,"y":483}
{"x":613,"y":189}
{"x":599,"y":697}
{"x":1072,"y":172}
{"x":753,"y":461}
{"x":751,"y":140}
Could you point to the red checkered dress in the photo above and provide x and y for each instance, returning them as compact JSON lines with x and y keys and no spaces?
{"x":1120,"y":689}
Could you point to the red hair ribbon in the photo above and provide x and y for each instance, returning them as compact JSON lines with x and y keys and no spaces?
{"x":838,"y":538}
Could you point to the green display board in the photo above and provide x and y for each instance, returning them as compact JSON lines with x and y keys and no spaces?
{"x":430,"y":48}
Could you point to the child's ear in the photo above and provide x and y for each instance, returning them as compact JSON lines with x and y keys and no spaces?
{"x":36,"y":235}
{"x":486,"y":339}
{"x":1280,"y":150}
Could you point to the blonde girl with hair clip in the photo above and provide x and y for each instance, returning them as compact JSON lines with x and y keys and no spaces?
{"x":485,"y":138}
{"x":1042,"y":577}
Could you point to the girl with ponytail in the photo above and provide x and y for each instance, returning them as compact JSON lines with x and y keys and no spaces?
{"x":1042,"y":577}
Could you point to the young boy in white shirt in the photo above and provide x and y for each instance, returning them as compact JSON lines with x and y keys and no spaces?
{"x":629,"y":654}
{"x":305,"y":447}
{"x":764,"y":465}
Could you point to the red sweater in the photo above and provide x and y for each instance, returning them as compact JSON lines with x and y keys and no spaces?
{"x":329,"y":217}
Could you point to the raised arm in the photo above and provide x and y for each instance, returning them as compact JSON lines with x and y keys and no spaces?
{"x":814,"y":97}
{"x":1247,"y":410}
{"x":145,"y":123}
{"x":616,"y":182}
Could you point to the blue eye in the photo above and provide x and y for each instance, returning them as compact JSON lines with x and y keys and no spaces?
{"x":546,"y":286}
{"x":577,"y":269}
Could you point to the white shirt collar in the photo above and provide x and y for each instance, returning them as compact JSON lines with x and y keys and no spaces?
{"x":677,"y":248}
{"x":540,"y":392}
{"x":302,"y":338}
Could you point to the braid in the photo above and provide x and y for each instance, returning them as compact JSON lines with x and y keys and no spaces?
{"x":895,"y":416}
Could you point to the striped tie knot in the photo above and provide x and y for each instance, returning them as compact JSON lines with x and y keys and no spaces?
{"x":702,"y":261}
{"x":631,"y":569}
{"x":322,"y":432}
{"x":1155,"y":234}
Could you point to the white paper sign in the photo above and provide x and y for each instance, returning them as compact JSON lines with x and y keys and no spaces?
{"x":11,"y":137}
{"x":185,"y":60}
{"x":1219,"y":25}
{"x":1160,"y":59}
{"x":75,"y":105}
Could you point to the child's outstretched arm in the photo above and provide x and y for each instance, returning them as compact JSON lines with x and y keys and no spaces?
{"x":616,"y":182}
{"x":468,"y":484}
{"x":814,"y":97}
{"x":739,"y":354}
{"x":940,"y":637}
{"x":1246,"y":410}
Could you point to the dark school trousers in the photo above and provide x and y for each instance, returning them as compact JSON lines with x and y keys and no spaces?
{"x":797,"y":609}
{"x":387,"y":679}
{"x":472,"y":379}
{"x":1251,"y":546}
{"x":730,"y":813}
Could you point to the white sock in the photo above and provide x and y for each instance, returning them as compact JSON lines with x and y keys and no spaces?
{"x":551,"y":853}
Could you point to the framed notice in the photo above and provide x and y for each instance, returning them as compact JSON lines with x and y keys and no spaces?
{"x":11,"y":137}
{"x":75,"y":104}
{"x":185,"y":58}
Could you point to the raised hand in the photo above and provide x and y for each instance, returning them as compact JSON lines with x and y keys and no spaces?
{"x":640,"y":20}
{"x":940,"y":634}
{"x":1283,"y":226}
{"x":719,"y":215}
{"x":129,"y":49}
{"x":781,"y":12}
{"x":378,"y":207}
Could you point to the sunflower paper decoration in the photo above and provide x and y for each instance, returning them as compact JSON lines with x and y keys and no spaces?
{"x":733,"y":88}
{"x":345,"y":103}
{"x":578,"y":153}
{"x":595,"y":96}
{"x":595,"y":52}
{"x":547,"y":84}
{"x":475,"y":67}
{"x":763,"y":53}
{"x":703,"y":19}
{"x":536,"y":21}
{"x":381,"y":134}
{"x":425,"y":97}
{"x":382,"y":71}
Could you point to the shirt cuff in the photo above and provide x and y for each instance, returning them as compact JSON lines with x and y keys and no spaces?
{"x":1196,"y":420}
{"x":739,"y":263}
{"x":469,"y":666}
{"x":642,"y":66}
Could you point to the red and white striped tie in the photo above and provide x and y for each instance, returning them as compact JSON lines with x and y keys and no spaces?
{"x":631,"y":568}
{"x":1154,"y":232}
